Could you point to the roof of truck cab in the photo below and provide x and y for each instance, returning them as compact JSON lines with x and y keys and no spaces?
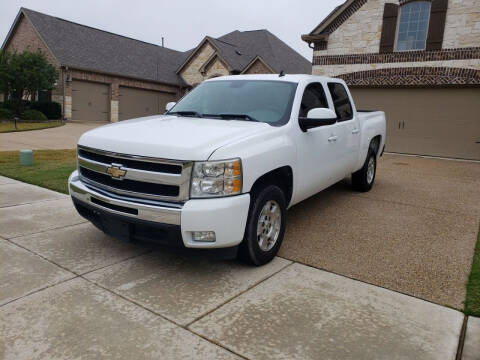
{"x":296,"y":78}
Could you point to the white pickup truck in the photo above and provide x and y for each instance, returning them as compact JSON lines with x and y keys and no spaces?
{"x":223,"y":165}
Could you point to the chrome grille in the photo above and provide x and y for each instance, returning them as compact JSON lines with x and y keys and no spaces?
{"x":135,"y":176}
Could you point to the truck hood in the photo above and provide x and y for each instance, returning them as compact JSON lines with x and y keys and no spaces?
{"x":170,"y":137}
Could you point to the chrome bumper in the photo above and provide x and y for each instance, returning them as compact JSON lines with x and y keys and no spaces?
{"x":155,"y":213}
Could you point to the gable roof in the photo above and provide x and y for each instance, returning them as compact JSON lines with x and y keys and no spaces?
{"x":240,"y":48}
{"x":330,"y":17}
{"x":84,"y":47}
{"x":87,"y":48}
{"x":337,"y":17}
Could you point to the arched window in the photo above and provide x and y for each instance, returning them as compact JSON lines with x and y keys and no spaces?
{"x":413,"y":26}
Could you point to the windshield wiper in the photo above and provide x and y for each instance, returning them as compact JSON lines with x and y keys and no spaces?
{"x":185,"y":113}
{"x":232,"y":117}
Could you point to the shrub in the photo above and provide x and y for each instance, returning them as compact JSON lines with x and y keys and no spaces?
{"x":33,"y":115}
{"x":51,"y":109}
{"x":5,"y":114}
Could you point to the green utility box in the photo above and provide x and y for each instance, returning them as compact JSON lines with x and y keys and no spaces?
{"x":26,"y":157}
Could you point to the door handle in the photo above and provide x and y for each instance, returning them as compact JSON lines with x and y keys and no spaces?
{"x":355,"y":131}
{"x":332,"y":138}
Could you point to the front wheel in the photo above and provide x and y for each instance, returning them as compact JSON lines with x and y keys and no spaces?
{"x":265,"y":226}
{"x":362,"y":180}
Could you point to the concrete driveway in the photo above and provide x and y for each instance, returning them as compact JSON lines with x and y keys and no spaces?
{"x":414,"y":232}
{"x":63,"y":137}
{"x":68,"y":291}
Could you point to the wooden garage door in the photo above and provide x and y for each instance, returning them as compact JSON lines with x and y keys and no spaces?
{"x":137,"y":102}
{"x":439,"y":122}
{"x":90,"y":101}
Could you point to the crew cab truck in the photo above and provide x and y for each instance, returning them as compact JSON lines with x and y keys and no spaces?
{"x":221,"y":167}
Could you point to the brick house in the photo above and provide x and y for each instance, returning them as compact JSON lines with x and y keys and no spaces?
{"x":108,"y":77}
{"x":419,"y":61}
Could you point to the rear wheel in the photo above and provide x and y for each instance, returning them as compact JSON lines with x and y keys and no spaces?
{"x":363,"y":179}
{"x":265,"y":226}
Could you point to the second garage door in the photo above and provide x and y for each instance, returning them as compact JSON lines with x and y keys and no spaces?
{"x":438,"y":122}
{"x":90,"y":101}
{"x":137,"y":103}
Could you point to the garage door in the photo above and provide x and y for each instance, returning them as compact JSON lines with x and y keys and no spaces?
{"x":137,"y":103}
{"x":90,"y":101}
{"x":438,"y":122}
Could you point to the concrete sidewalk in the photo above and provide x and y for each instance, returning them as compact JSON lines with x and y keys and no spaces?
{"x":69,"y":291}
{"x":62,"y":137}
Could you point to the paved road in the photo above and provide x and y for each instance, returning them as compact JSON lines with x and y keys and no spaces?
{"x":68,"y":291}
{"x":63,"y":137}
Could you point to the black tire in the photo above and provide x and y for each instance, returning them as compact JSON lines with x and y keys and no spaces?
{"x":250,"y":250}
{"x":360,"y":178}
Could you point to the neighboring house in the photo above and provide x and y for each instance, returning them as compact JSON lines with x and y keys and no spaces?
{"x":241,"y":52}
{"x":419,"y":61}
{"x":108,"y":77}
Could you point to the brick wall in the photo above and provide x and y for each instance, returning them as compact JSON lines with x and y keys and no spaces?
{"x":25,"y":38}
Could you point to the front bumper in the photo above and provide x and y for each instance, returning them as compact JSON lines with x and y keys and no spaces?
{"x":165,"y":223}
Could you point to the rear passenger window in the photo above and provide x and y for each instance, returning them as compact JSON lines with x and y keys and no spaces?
{"x":313,"y":97}
{"x":341,"y":102}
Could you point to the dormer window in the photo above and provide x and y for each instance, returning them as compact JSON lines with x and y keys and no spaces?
{"x":412,"y":26}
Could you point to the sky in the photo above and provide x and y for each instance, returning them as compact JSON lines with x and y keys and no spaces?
{"x":183,"y":24}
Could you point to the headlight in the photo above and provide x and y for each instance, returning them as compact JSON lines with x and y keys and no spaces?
{"x":216,"y":178}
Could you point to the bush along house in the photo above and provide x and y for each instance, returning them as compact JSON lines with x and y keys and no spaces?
{"x":419,"y":61}
{"x":107,"y":77}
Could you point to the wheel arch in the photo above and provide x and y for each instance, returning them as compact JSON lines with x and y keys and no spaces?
{"x":282,"y":177}
{"x":375,"y":144}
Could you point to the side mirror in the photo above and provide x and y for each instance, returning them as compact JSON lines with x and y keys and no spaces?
{"x":170,"y":105}
{"x":317,"y":117}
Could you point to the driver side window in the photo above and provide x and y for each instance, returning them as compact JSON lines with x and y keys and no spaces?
{"x":313,"y":97}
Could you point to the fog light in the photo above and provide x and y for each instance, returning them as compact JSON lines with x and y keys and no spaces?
{"x":204,"y":236}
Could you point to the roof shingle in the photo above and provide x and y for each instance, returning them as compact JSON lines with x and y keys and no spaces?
{"x":88,"y":48}
{"x":84,"y":47}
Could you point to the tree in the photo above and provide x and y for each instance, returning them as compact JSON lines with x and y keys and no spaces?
{"x":23,"y":74}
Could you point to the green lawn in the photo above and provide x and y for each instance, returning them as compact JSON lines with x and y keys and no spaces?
{"x":50,"y":168}
{"x":472,"y":304}
{"x":24,"y":126}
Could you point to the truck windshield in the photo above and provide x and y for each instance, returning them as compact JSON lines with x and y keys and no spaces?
{"x":249,"y":100}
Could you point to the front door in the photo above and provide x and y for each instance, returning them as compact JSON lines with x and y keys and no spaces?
{"x":316,"y":148}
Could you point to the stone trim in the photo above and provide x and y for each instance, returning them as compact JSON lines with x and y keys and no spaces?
{"x":398,"y":57}
{"x":413,"y":76}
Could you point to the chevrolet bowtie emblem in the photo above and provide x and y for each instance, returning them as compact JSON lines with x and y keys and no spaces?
{"x":116,"y":171}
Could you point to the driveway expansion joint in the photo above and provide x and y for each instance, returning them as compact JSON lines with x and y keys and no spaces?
{"x":240,"y":293}
{"x":45,"y":230}
{"x":160,"y":315}
{"x":461,"y":339}
{"x":29,"y":203}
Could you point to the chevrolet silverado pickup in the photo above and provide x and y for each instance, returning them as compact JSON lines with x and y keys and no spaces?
{"x":221,"y":167}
